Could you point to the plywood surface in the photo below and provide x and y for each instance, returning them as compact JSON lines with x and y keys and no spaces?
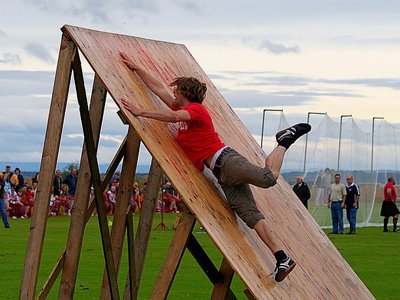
{"x":321,"y":272}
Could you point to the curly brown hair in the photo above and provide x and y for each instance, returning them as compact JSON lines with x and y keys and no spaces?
{"x":190,"y":88}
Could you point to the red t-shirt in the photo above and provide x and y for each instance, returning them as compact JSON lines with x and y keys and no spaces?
{"x":197,"y":137}
{"x":393,"y":197}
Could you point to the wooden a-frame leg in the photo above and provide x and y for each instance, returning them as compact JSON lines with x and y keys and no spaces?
{"x":78,"y":222}
{"x":221,"y":280}
{"x":47,"y":168}
{"x":221,"y":289}
{"x":174,"y":256}
{"x":94,"y":169}
{"x":145,"y":224}
{"x":124,"y":191}
{"x":58,"y":267}
{"x":131,"y":256}
{"x":249,"y":295}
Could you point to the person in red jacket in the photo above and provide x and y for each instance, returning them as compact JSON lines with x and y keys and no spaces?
{"x":201,"y":143}
{"x":389,"y":208}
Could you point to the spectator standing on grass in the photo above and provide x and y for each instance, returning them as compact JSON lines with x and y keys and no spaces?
{"x":353,"y":195}
{"x":57,"y":183}
{"x":7,"y":174}
{"x":389,"y":207}
{"x":72,"y":180}
{"x":7,"y":185}
{"x":302,"y":191}
{"x":21,"y":180}
{"x":3,"y":210}
{"x":336,"y":202}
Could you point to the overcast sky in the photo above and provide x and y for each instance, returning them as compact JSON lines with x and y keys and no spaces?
{"x":339,"y":57}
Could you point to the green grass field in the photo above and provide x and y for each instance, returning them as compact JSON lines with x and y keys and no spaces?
{"x":370,"y":252}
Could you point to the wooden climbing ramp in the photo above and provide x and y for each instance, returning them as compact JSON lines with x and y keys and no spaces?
{"x":321,"y":272}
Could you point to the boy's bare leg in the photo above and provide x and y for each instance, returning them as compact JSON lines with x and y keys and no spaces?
{"x":284,"y":264}
{"x":274,"y":160}
{"x":266,"y":235}
{"x":285,"y":139}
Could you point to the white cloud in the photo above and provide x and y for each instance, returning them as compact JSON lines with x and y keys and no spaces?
{"x":40,"y":52}
{"x":10,"y":58}
{"x":276,"y":48}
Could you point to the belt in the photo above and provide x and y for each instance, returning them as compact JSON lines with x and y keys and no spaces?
{"x":217,"y":167}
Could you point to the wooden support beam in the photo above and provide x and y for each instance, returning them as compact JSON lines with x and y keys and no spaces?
{"x":47,"y":167}
{"x":204,"y":261}
{"x":92,"y":205}
{"x":221,"y":283}
{"x":221,"y":289}
{"x":221,"y":279}
{"x":174,"y":256}
{"x":249,"y":295}
{"x":131,"y":257}
{"x":145,"y":224}
{"x":44,"y":292}
{"x":124,"y":196}
{"x":146,"y":217}
{"x":78,"y":221}
{"x":94,"y":169}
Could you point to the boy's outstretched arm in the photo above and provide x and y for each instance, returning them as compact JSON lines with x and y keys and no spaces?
{"x":152,"y":83}
{"x":164,"y":115}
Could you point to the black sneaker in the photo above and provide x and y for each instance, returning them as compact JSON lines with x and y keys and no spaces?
{"x":288,"y":136}
{"x":396,"y":230}
{"x":283,"y":268}
{"x":385,"y":230}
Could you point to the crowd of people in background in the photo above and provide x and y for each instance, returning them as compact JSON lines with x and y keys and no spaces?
{"x":17,"y":195}
{"x":337,"y":196}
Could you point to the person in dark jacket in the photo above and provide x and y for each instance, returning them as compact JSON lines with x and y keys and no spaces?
{"x":57,"y":184}
{"x":21,"y":180}
{"x":72,"y":180}
{"x":302,"y":191}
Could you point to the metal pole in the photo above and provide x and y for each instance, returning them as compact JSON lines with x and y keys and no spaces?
{"x":305,"y":149}
{"x":262,"y":126}
{"x":372,"y":146}
{"x":340,"y":137}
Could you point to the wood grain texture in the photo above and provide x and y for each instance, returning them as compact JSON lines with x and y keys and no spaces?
{"x":78,"y":218}
{"x":321,"y":273}
{"x":47,"y":167}
{"x":120,"y":215}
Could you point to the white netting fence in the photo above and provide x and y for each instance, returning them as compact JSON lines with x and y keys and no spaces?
{"x":339,"y":147}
